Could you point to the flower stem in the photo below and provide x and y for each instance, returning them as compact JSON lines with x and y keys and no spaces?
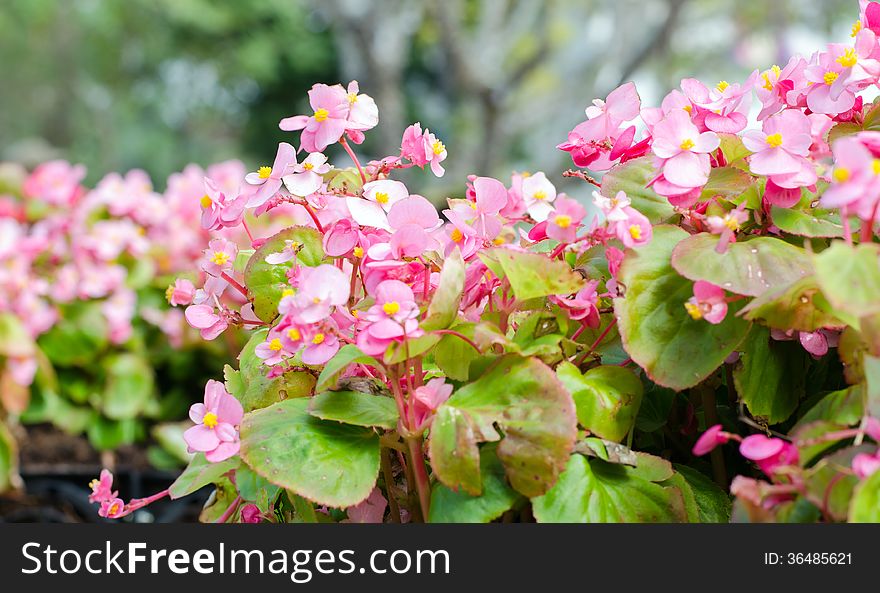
{"x":719,"y":472}
{"x":350,"y":152}
{"x":234,"y":283}
{"x":311,"y":212}
{"x":388,"y":476}
{"x":423,"y":483}
{"x":230,"y":510}
{"x":452,"y":332}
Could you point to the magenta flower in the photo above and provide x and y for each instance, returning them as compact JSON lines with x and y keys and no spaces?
{"x":217,"y":420}
{"x":582,"y":306}
{"x":102,"y":488}
{"x":423,"y":148}
{"x":865,"y":464}
{"x":250,"y":513}
{"x":707,"y":303}
{"x":269,"y":178}
{"x":778,"y":88}
{"x":684,"y":150}
{"x":565,"y":219}
{"x":392,"y":318}
{"x":780,"y":150}
{"x":768,"y":453}
{"x":426,"y":399}
{"x":180,"y":293}
{"x":328,"y":122}
{"x":710,"y":439}
{"x":112,"y":508}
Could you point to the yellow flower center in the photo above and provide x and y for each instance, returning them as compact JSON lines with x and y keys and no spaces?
{"x":294,"y":334}
{"x":830,"y":77}
{"x":358,"y":252}
{"x":635,"y":231}
{"x":264,"y":172}
{"x":731,"y":223}
{"x":774,"y":140}
{"x":275,"y":345}
{"x":382,"y":197}
{"x":308,"y":166}
{"x":722,"y":86}
{"x":205,"y":201}
{"x":321,"y":114}
{"x":114,"y":508}
{"x":857,"y":26}
{"x":540,"y":195}
{"x":688,"y":108}
{"x":498,"y":241}
{"x":210,"y":420}
{"x":318,"y":339}
{"x":687,"y":144}
{"x":355,"y":313}
{"x":456,"y":235}
{"x":767,"y":84}
{"x":94,"y":483}
{"x":287,"y":292}
{"x":693,"y":310}
{"x":391,"y":307}
{"x":352,"y":98}
{"x":876,"y":166}
{"x":841,"y":174}
{"x":220,"y":258}
{"x":849,"y":58}
{"x":169,"y":292}
{"x":563,"y":221}
{"x":438,"y":147}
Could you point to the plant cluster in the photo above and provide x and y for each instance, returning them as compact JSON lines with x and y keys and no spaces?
{"x":525,"y":361}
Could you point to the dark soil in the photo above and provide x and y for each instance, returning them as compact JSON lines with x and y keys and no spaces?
{"x":57,"y":467}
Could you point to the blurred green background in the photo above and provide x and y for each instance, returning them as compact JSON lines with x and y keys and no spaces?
{"x":155,"y":84}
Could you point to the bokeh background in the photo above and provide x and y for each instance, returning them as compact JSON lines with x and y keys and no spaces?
{"x":155,"y":84}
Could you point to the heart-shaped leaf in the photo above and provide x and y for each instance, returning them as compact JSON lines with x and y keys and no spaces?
{"x":200,"y":472}
{"x":607,"y":398}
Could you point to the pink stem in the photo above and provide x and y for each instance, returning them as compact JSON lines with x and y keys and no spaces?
{"x":235,"y":284}
{"x":460,"y":336}
{"x":354,"y":158}
{"x":230,"y":510}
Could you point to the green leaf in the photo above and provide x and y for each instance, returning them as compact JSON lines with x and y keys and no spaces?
{"x":346,"y":180}
{"x":523,"y":397}
{"x":845,"y":407}
{"x":599,"y":492}
{"x":78,"y":337}
{"x":443,"y":309}
{"x":799,"y":305}
{"x":266,"y":282}
{"x":675,"y":350}
{"x":633,"y":177}
{"x":200,"y":472}
{"x":770,"y":377}
{"x":747,"y":267}
{"x":850,"y":277}
{"x":607,"y":398}
{"x":409,"y":348}
{"x":713,"y":502}
{"x":105,"y":434}
{"x":129,"y":386}
{"x":347,"y":355}
{"x":9,"y":477}
{"x":816,"y":223}
{"x":449,"y":506}
{"x":533,"y":275}
{"x":453,"y":355}
{"x":354,"y":407}
{"x":865,"y":507}
{"x":254,"y":389}
{"x":253,"y":487}
{"x":733,"y":148}
{"x":841,"y":130}
{"x":326,"y":462}
{"x":726,"y":183}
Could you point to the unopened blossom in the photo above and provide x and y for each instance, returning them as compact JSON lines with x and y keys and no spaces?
{"x":565,"y":219}
{"x":180,"y":293}
{"x":538,"y":195}
{"x":710,"y":439}
{"x":250,"y":513}
{"x":769,"y":454}
{"x":112,"y":508}
{"x":217,"y":420}
{"x":708,"y":303}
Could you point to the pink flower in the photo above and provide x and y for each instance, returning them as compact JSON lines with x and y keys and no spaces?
{"x":684,"y":150}
{"x":307,"y":177}
{"x":427,"y":398}
{"x":385,"y":192}
{"x":707,"y":303}
{"x":612,"y":208}
{"x":217,"y":420}
{"x":780,"y":150}
{"x":320,"y":289}
{"x":112,"y":508}
{"x":481,"y":213}
{"x":392,"y":318}
{"x":723,"y":109}
{"x":220,"y":210}
{"x":423,"y":148}
{"x":710,"y":439}
{"x":328,"y":122}
{"x":250,"y":513}
{"x":180,"y":293}
{"x":362,"y":114}
{"x":855,"y":180}
{"x":583,"y":306}
{"x":204,"y":318}
{"x":55,"y":182}
{"x":565,"y":219}
{"x":269,"y":178}
{"x":219,"y":257}
{"x":538,"y":195}
{"x":102,"y":488}
{"x":865,"y":464}
{"x":778,"y":88}
{"x":341,"y":238}
{"x":768,"y":453}
{"x":633,"y":231}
